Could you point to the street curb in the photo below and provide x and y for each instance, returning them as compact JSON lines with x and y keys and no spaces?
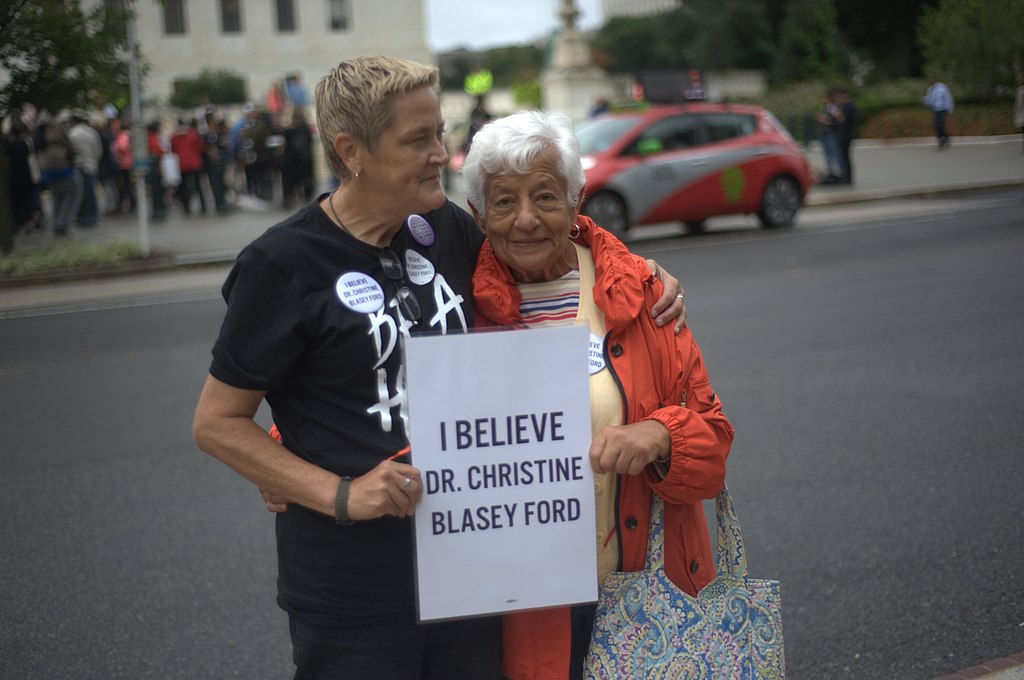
{"x":838,"y":197}
{"x":886,"y":142}
{"x":164,"y":262}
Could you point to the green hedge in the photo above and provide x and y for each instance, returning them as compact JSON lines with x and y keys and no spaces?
{"x":916,"y":121}
{"x":887,"y":110}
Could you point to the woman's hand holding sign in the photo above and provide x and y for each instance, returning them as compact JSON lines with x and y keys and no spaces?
{"x":390,"y":489}
{"x":627,"y":449}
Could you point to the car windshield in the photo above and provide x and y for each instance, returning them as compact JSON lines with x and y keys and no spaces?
{"x":596,"y":136}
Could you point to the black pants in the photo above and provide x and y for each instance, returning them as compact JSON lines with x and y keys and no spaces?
{"x":845,"y":160}
{"x":582,"y":627}
{"x":397,"y":648}
{"x":191,"y":186}
{"x":940,"y":127}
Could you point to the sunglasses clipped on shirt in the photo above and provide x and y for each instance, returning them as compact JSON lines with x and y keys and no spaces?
{"x":407,"y":302}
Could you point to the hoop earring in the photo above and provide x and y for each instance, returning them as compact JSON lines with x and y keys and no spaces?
{"x":574,"y":232}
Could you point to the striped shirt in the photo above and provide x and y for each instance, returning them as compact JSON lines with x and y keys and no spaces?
{"x":550,"y":302}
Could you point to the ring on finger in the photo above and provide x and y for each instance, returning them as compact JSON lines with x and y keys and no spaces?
{"x":407,"y":484}
{"x":680,"y":296}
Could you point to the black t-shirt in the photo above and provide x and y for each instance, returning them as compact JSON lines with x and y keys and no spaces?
{"x":312,"y":320}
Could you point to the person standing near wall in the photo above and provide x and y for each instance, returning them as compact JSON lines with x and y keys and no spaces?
{"x":297,"y":161}
{"x":124,"y":160}
{"x":191,"y":149}
{"x":218,"y":154}
{"x":58,"y":174}
{"x":88,"y":151}
{"x":155,"y":176}
{"x":831,"y":119}
{"x":20,"y":180}
{"x":940,"y":100}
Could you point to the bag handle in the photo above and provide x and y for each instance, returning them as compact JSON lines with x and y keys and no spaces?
{"x":731,"y":556}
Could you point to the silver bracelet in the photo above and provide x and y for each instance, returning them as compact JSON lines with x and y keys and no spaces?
{"x":341,"y":502}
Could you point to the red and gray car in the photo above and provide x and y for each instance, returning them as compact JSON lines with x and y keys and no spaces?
{"x":688,"y":162}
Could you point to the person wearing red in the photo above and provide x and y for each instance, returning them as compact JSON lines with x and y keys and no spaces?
{"x":657,"y":425}
{"x":121,"y":149}
{"x":190,"y":148}
{"x":155,"y":149}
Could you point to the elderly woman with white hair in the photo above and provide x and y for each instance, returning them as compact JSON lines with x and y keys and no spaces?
{"x":657,"y":425}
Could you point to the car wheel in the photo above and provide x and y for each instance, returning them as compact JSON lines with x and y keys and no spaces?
{"x":695,"y":226}
{"x":609,"y":212}
{"x":779,"y":203}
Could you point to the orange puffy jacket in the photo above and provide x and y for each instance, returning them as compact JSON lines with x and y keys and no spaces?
{"x":662,"y":377}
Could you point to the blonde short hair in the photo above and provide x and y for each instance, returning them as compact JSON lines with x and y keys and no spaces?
{"x":355,"y":97}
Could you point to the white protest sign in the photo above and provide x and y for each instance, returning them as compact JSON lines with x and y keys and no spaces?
{"x":500,"y":429}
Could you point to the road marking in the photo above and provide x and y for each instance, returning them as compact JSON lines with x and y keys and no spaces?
{"x":112,"y":303}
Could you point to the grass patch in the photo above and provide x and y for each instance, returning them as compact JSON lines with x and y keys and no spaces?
{"x":66,"y":256}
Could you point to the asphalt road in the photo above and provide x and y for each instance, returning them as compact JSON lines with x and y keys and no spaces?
{"x":870,"y":360}
{"x":873,"y":373}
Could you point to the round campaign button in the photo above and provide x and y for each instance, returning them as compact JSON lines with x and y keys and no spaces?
{"x":419,"y":268}
{"x":595,"y":355}
{"x":421,"y":230}
{"x":359,"y":292}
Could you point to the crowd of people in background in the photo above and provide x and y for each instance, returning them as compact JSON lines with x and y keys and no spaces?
{"x":210,"y":161}
{"x":210,"y":165}
{"x":204,"y":162}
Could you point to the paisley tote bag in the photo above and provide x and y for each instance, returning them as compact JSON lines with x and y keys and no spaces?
{"x":646,"y":627}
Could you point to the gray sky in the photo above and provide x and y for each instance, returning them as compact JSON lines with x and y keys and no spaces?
{"x":494,"y":23}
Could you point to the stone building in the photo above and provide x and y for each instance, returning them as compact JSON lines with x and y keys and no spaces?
{"x":264,"y":41}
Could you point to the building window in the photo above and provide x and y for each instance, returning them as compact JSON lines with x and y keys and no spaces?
{"x":285,"y":16}
{"x":231,"y":16}
{"x":114,"y":6}
{"x":174,"y":17}
{"x":340,"y":14}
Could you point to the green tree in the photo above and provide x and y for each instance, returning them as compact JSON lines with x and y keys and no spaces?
{"x":885,"y":33}
{"x":222,"y":87}
{"x":810,"y":44}
{"x":733,"y":34}
{"x":978,"y":44}
{"x":56,"y":55}
{"x":661,"y":41}
{"x":454,"y":66}
{"x":514,"y":64}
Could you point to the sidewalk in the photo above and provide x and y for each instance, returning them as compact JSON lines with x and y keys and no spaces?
{"x":1006,"y":668}
{"x":885,"y":169}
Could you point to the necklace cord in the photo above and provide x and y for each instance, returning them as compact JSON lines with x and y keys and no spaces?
{"x":334,"y":214}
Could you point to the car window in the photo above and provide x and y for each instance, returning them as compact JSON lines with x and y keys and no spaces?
{"x":598,"y":135}
{"x":670,"y":134}
{"x":722,"y":126}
